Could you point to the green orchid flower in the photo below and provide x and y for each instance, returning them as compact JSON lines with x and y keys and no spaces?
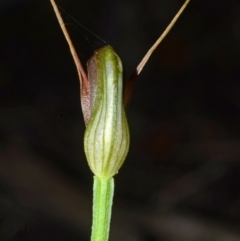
{"x":106,"y":138}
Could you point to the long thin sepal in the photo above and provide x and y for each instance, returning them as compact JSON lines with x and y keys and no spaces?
{"x":130,"y":82}
{"x":84,"y":84}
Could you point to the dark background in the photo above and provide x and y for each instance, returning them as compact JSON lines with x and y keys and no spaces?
{"x":181,"y":179}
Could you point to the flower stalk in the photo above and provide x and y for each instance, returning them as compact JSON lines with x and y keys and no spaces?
{"x":103,"y":190}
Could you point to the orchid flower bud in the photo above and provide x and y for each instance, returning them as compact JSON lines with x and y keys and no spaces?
{"x":106,"y":139}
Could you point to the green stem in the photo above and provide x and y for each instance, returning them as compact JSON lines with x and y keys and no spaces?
{"x":102,"y":207}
